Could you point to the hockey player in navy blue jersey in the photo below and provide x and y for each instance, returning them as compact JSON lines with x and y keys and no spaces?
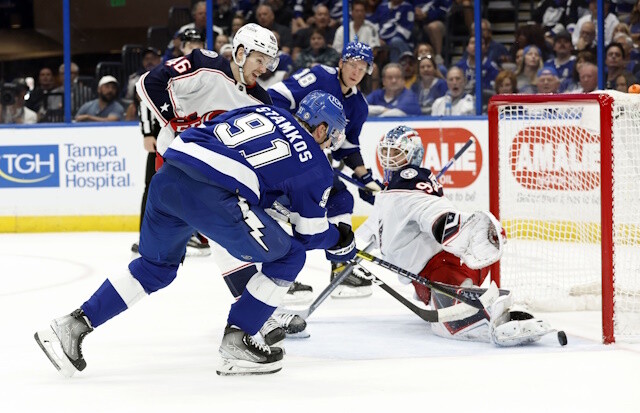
{"x":356,"y":61}
{"x":219,"y":179}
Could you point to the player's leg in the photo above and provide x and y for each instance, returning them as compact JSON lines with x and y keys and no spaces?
{"x":163,"y":239}
{"x":340,"y":209}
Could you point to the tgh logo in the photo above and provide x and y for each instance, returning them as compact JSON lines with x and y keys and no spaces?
{"x":29,"y":166}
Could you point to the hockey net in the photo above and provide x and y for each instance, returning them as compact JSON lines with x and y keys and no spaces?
{"x":565,"y":183}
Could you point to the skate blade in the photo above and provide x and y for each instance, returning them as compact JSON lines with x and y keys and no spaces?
{"x":50,"y":345}
{"x":299,"y":335}
{"x":343,"y":291}
{"x":198,"y":252}
{"x":299,"y":298}
{"x":232,"y":367}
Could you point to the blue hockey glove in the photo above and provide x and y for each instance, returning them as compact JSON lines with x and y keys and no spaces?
{"x":373,"y":184}
{"x":345,"y":249}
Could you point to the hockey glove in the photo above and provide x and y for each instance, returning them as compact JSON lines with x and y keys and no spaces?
{"x":183,"y":123}
{"x":373,"y":184}
{"x":478,"y":240}
{"x":345,"y":249}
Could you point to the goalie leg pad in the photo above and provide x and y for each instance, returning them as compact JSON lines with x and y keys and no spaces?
{"x":520,"y":328}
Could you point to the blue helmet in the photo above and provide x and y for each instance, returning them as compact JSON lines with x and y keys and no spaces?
{"x":399,"y":147}
{"x":359,"y":51}
{"x":318,"y":107}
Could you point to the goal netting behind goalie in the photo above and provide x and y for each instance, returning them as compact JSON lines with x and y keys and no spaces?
{"x":565,"y":182}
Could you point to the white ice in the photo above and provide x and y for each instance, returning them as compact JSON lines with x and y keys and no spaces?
{"x":367,"y":354}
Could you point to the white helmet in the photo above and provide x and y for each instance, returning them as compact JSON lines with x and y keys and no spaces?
{"x":254,"y":37}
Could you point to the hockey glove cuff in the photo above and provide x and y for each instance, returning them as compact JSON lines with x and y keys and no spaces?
{"x":373,"y":184}
{"x":345,"y":249}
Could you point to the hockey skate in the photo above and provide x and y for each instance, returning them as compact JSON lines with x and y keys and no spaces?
{"x":293,"y":325}
{"x":298,"y":294}
{"x":243,"y":355}
{"x":356,"y":285}
{"x":198,"y":246}
{"x":62,"y":344}
{"x":273,"y":333}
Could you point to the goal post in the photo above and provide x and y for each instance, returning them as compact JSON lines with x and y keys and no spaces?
{"x":564,"y":173}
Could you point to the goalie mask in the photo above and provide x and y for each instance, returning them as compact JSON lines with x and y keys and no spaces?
{"x":399,"y":147}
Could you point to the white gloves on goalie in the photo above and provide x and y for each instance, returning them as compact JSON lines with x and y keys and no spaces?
{"x":477,"y":239}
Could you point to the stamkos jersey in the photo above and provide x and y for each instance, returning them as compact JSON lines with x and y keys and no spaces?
{"x":288,"y":94}
{"x":401,"y":221}
{"x":199,"y":85}
{"x":261,"y":153}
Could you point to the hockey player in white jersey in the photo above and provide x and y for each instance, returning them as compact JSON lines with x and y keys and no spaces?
{"x":415,"y":227}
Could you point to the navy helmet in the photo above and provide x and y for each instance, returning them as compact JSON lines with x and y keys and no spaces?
{"x":359,"y":51}
{"x":318,"y":107}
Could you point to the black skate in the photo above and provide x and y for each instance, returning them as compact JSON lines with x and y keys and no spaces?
{"x":198,"y":246}
{"x":135,"y":248}
{"x":63,"y":342}
{"x":292,"y":324}
{"x":273,"y":333}
{"x":356,"y":285}
{"x":243,"y":355}
{"x":298,"y":294}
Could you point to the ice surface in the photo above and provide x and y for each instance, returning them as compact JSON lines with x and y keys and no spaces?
{"x":368,"y":354}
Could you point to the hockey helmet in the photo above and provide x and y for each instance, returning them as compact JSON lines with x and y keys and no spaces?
{"x":399,"y":147}
{"x":321,"y":107}
{"x":191,"y":35}
{"x":359,"y":51}
{"x":254,"y":37}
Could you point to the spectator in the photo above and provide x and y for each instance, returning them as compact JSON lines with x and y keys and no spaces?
{"x":80,"y":93}
{"x":631,"y":62}
{"x":506,"y":83}
{"x":564,"y":61}
{"x":621,"y":28}
{"x":634,"y":22}
{"x":105,"y":108}
{"x":199,"y":14}
{"x":527,"y":72}
{"x":236,"y":24}
{"x":572,"y":83}
{"x":519,"y":58}
{"x":317,"y":53}
{"x":223,"y":14}
{"x":610,"y":21}
{"x":366,"y":31}
{"x":266,"y":18}
{"x":423,"y":49}
{"x":393,"y":99}
{"x":489,"y":68}
{"x":588,"y":78}
{"x":283,"y":14}
{"x":529,"y":34}
{"x":548,"y":81}
{"x":409,"y":66}
{"x":495,"y":51}
{"x":151,"y":57}
{"x":227,"y":51}
{"x":550,"y":13}
{"x":221,"y":40}
{"x":615,"y":64}
{"x":455,"y":102}
{"x":623,"y":81}
{"x":430,"y":15}
{"x":321,"y":23}
{"x":431,"y":84}
{"x":466,"y":8}
{"x":395,"y":19}
{"x":12,"y":104}
{"x":37,"y":97}
{"x":586,"y":38}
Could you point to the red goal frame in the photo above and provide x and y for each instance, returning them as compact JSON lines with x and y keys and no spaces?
{"x":606,"y":176}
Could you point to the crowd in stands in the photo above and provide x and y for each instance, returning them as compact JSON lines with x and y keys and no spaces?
{"x":554,"y":53}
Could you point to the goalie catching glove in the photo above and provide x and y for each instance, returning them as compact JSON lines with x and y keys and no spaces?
{"x":374,"y":185}
{"x":477,"y":239}
{"x":345,"y":249}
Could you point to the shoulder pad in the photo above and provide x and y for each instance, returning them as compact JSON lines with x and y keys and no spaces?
{"x":414,"y":178}
{"x":329,"y":69}
{"x":208,"y":53}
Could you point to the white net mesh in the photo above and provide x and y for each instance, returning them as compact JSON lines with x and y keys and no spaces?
{"x":549,"y":194}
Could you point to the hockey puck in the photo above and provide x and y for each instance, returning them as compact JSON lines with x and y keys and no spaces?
{"x":562,"y":338}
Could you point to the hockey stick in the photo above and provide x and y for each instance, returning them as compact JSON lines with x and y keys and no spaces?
{"x":349,"y":179}
{"x":346,"y":271}
{"x":442,"y":315}
{"x":468,"y":296}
